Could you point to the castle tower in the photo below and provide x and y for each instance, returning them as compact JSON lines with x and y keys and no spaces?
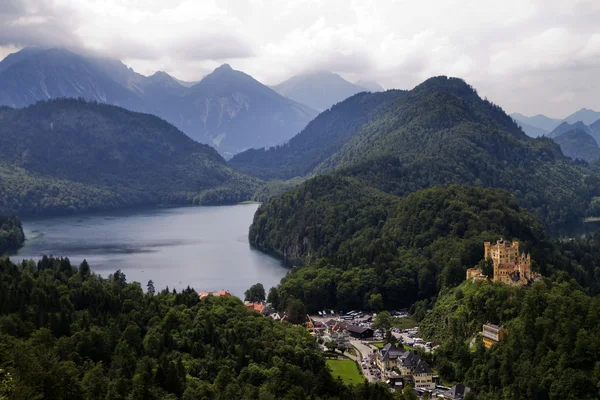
{"x":486,"y":247}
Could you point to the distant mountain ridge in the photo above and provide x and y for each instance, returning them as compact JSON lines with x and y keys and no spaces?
{"x":321,"y":90}
{"x":539,"y":125}
{"x":575,"y":141}
{"x":440,"y":132}
{"x":232,"y":113}
{"x":68,"y":155}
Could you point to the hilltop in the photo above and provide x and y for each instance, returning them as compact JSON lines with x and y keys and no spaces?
{"x":66,"y":155}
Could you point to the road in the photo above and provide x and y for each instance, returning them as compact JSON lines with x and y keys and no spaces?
{"x":364,"y":350}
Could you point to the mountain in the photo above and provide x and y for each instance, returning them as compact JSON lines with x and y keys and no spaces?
{"x":228,"y":109}
{"x":371,"y":86}
{"x":532,"y":131}
{"x":234,"y":112}
{"x":34,"y":74}
{"x":566,"y":127}
{"x":578,"y":144}
{"x":322,"y":137}
{"x":67,"y":155}
{"x":440,"y":132}
{"x":537,"y":121}
{"x":319,"y":90}
{"x":595,"y":131}
{"x":575,"y":141}
{"x":584,"y":115}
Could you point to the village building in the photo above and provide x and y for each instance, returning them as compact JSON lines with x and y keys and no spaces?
{"x":509,"y":266}
{"x":492,"y":334}
{"x":388,"y":358}
{"x":457,"y":392}
{"x":337,"y":334}
{"x":359,"y":332}
{"x":259,"y":307}
{"x":423,"y":376}
{"x":221,"y":292}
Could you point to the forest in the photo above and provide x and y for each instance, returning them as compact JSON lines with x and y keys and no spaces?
{"x":354,"y":243}
{"x":11,"y":234}
{"x":67,"y":333}
{"x":551,"y":351}
{"x":65,"y":156}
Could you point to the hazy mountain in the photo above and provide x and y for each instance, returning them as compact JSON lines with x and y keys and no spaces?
{"x":532,"y":131}
{"x":371,"y":86}
{"x":234,"y":112}
{"x":35,"y":74}
{"x":318,"y":90}
{"x":68,"y":155}
{"x":577,"y":143}
{"x":322,"y":137}
{"x":566,"y":127}
{"x":440,"y":132}
{"x":227,"y":109}
{"x":584,"y":115}
{"x":537,"y":121}
{"x":595,"y":131}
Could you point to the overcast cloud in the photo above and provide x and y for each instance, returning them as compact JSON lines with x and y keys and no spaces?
{"x":538,"y":56}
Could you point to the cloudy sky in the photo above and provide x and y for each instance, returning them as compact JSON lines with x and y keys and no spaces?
{"x":538,"y":56}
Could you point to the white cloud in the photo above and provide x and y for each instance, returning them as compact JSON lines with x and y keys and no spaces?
{"x":526,"y":55}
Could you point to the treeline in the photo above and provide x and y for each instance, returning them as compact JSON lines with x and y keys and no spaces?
{"x":66,"y":333}
{"x":11,"y":234}
{"x":356,"y":242}
{"x":551,"y":351}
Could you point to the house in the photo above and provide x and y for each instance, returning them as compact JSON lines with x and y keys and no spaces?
{"x":319,"y":327}
{"x":339,"y":335}
{"x":509,"y":266}
{"x":492,"y":334}
{"x":389,"y":357}
{"x":259,"y":307}
{"x":457,"y":392}
{"x":359,"y":332}
{"x":408,"y":363}
{"x":221,"y":292}
{"x":422,"y":375}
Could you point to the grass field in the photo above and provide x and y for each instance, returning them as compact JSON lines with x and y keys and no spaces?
{"x":347,"y":370}
{"x":405,"y":323}
{"x":379,"y":345}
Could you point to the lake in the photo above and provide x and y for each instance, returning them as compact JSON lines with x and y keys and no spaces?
{"x":203,"y":247}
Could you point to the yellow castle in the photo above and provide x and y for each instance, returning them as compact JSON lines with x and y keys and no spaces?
{"x":510,"y":267}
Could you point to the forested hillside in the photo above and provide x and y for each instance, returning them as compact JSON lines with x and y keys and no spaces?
{"x":65,"y":156}
{"x":11,"y":234}
{"x":441,"y":132}
{"x":551,"y":351}
{"x":358,"y":243}
{"x":66,"y":333}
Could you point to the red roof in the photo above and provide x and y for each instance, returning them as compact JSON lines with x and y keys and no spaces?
{"x":221,"y":292}
{"x":255,"y":306}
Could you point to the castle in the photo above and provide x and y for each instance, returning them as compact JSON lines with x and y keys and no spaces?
{"x":510,"y":267}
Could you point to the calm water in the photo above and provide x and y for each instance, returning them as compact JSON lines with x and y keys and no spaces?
{"x":203,"y":247}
